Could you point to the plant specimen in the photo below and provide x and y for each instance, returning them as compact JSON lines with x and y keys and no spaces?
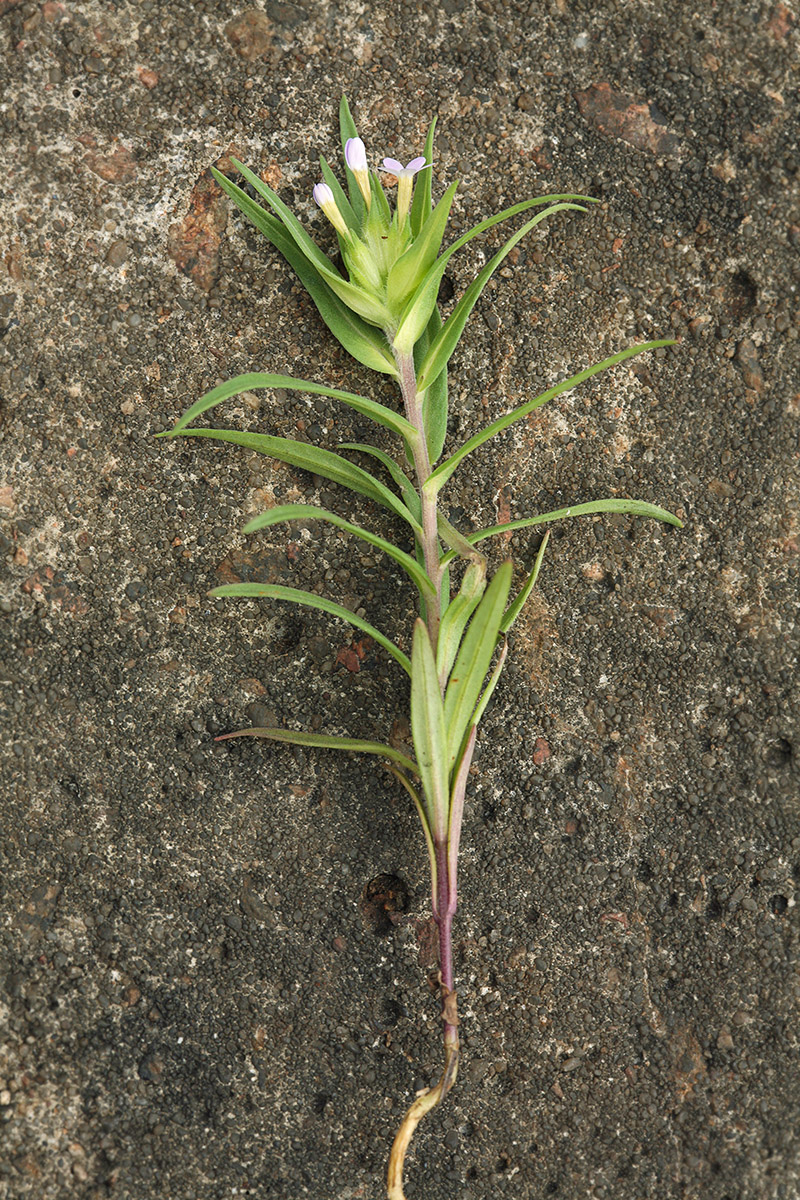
{"x":384,"y":312}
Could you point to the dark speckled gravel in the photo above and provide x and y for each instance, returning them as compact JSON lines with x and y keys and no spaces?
{"x":193,"y":1001}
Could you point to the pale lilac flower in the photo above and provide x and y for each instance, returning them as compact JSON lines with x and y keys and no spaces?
{"x":405,"y":181}
{"x":323,"y":196}
{"x":355,"y":156}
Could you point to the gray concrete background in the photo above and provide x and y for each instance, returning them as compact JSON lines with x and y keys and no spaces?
{"x":198,"y":997}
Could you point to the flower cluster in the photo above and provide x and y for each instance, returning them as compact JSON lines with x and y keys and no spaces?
{"x":372,"y":240}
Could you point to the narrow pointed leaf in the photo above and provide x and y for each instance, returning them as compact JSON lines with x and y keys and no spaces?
{"x":457,"y":813}
{"x":634,"y":508}
{"x":421,"y":204}
{"x":434,"y":399}
{"x":447,"y":339}
{"x":360,"y":339}
{"x":276,"y":591}
{"x":359,"y":300}
{"x":379,"y":196}
{"x":409,"y":270}
{"x":486,"y":695}
{"x":427,"y":291}
{"x":405,"y":486}
{"x":347,"y":130}
{"x":428,"y":731}
{"x":315,"y":459}
{"x":473,"y":661}
{"x":515,"y":608}
{"x":455,"y":618}
{"x":342,"y":203}
{"x":310,"y":512}
{"x":443,"y":472}
{"x":457,"y":541}
{"x":246,"y":383}
{"x":426,"y":829}
{"x":323,"y":741}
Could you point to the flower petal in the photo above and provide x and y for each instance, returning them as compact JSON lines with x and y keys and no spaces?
{"x":322,"y":195}
{"x":355,"y":154}
{"x":391,"y":164}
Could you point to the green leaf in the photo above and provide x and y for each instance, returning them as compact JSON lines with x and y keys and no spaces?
{"x":342,"y":203}
{"x":359,"y":339}
{"x":314,"y":459}
{"x":456,"y":615}
{"x":405,"y":486}
{"x":276,"y":591}
{"x":457,"y":541}
{"x":486,"y":696}
{"x":323,"y":741}
{"x":434,"y":399}
{"x":421,"y":204}
{"x":347,"y":130}
{"x":439,"y":477}
{"x":423,"y":816}
{"x":310,"y":512}
{"x":473,"y":661}
{"x":514,"y":609}
{"x":410,"y":269}
{"x":447,"y":339}
{"x":356,"y":298}
{"x":425,"y":296}
{"x":634,"y":508}
{"x":380,"y":203}
{"x":428,"y":732}
{"x":246,"y":383}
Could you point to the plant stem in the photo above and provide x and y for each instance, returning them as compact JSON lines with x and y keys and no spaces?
{"x":443,"y":912}
{"x":444,"y":851}
{"x":422,"y":466}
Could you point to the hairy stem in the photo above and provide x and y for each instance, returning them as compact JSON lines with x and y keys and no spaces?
{"x":422,"y":466}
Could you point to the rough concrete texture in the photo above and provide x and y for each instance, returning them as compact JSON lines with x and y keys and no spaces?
{"x":205,"y":992}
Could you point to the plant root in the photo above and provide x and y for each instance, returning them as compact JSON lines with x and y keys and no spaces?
{"x":423,"y":1104}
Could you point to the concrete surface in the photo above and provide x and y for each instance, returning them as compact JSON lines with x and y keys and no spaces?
{"x":201,"y":996}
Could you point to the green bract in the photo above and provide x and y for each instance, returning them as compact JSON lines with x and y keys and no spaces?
{"x":384,"y":312}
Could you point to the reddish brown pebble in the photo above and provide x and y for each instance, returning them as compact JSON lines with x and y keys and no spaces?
{"x":541,"y":751}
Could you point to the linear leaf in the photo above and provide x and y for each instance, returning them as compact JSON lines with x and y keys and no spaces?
{"x":434,"y":399}
{"x":456,"y":615}
{"x":427,"y":291}
{"x":515,"y":608}
{"x":342,"y":203}
{"x":634,"y":508}
{"x":360,"y":339}
{"x":457,"y":795}
{"x":423,"y":816}
{"x":324,"y":741}
{"x":379,"y":196}
{"x":447,"y":339}
{"x":355,"y":297}
{"x":407,"y":490}
{"x":409,"y":270}
{"x":486,"y":695}
{"x":246,"y":383}
{"x":310,"y":512}
{"x":457,"y":541}
{"x":276,"y":591}
{"x":428,"y":731}
{"x":421,"y":204}
{"x":443,"y":472}
{"x":473,"y":661}
{"x":311,"y":458}
{"x":347,"y":130}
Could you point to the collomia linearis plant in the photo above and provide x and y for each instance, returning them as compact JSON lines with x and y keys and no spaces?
{"x":385,"y":314}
